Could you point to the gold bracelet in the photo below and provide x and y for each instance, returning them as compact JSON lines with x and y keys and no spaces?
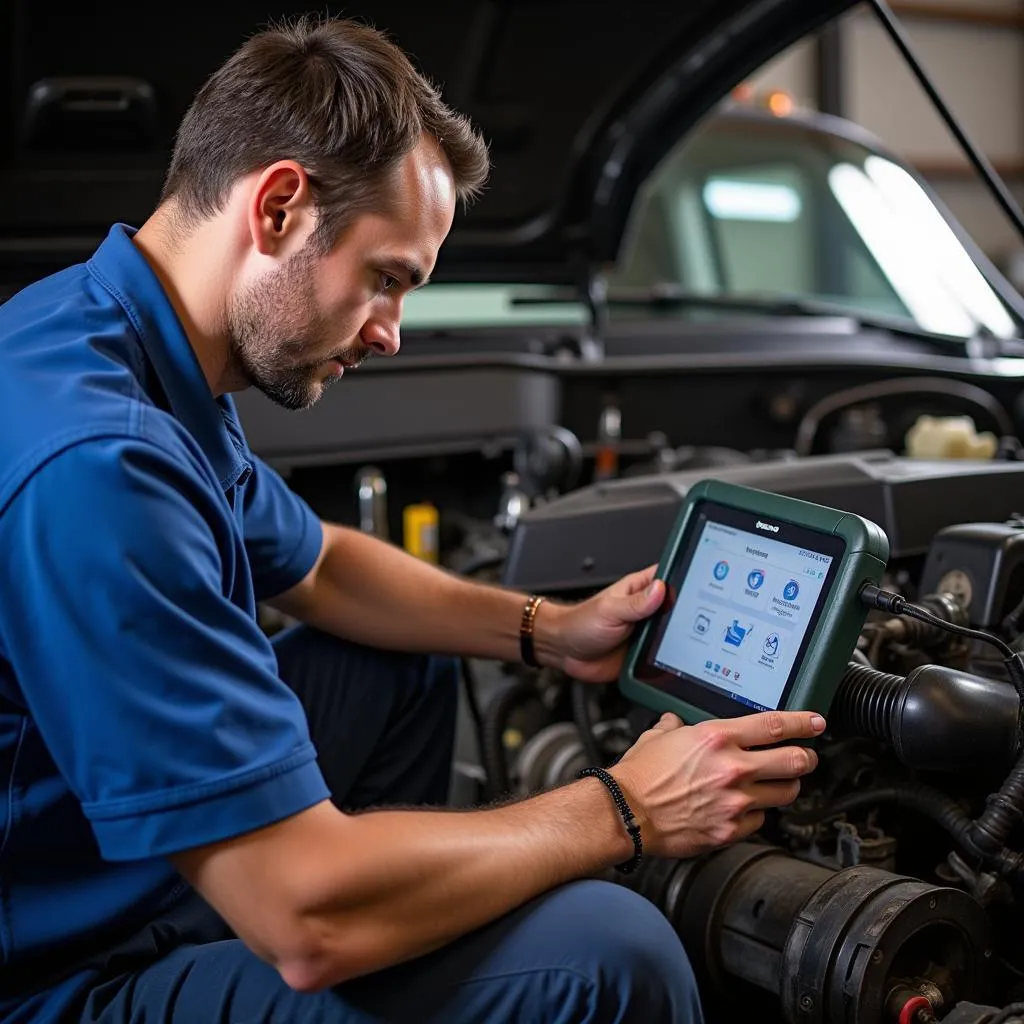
{"x":526,"y":631}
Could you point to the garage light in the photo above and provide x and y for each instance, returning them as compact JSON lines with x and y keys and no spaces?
{"x":730,"y":199}
{"x":780,"y":103}
{"x":894,"y":237}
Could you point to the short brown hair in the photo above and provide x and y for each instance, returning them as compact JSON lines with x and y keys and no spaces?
{"x":334,"y":95}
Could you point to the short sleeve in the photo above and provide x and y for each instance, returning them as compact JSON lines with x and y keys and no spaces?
{"x":157,"y":697}
{"x":282,"y":533}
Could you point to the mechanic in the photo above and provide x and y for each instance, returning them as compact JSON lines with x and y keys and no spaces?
{"x":201,"y":824}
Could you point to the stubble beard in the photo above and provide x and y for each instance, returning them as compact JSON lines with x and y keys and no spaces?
{"x":271,"y":325}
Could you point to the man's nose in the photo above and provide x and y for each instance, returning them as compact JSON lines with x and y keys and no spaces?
{"x":382,"y":335}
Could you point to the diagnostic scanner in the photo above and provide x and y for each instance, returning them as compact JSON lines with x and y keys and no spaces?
{"x":762,"y":608}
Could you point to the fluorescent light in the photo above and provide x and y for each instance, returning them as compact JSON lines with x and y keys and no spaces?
{"x":729,"y":199}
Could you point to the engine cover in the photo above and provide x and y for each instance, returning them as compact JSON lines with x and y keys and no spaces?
{"x":596,"y":535}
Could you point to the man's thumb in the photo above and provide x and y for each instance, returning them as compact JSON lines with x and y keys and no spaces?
{"x":645,"y":602}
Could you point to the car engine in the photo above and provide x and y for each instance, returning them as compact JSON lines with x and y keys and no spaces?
{"x":892,"y":890}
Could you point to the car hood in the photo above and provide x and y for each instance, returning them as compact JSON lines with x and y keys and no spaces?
{"x":578,"y":101}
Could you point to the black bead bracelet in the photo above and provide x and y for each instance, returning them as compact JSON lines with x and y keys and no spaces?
{"x":628,"y":818}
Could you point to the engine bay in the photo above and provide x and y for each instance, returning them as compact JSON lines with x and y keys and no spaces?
{"x":891,"y":890}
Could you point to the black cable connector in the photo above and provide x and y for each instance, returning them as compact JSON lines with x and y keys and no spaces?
{"x":896,"y":604}
{"x":882,"y":600}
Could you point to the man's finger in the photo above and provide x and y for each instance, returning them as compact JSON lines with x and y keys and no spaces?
{"x":781,"y":763}
{"x":668,"y":722}
{"x":773,"y":727}
{"x":750,"y":823}
{"x":774,"y":794}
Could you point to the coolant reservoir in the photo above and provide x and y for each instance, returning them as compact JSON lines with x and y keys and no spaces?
{"x":949,"y":437}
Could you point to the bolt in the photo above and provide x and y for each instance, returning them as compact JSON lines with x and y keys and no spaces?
{"x":987,"y":954}
{"x":876,"y":957}
{"x":933,"y":903}
{"x":807,"y":1003}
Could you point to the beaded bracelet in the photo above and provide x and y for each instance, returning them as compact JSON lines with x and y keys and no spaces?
{"x":628,"y":818}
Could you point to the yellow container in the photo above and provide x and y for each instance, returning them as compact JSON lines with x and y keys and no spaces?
{"x":420,"y":531}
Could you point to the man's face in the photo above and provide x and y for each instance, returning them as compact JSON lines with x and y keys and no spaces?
{"x":294,"y":330}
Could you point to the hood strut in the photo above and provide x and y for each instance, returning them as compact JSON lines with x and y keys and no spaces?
{"x":981,"y":163}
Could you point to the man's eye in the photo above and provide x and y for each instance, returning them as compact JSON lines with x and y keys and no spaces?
{"x":387,"y":282}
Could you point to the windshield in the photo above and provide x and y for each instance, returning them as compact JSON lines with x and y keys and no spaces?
{"x":759,"y":207}
{"x":752,"y":208}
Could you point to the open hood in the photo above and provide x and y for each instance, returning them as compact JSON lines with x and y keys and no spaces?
{"x":578,"y":101}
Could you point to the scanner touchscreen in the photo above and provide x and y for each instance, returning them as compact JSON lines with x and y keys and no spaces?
{"x":742,"y":613}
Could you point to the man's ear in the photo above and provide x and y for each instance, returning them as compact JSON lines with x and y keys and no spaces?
{"x":280,"y":207}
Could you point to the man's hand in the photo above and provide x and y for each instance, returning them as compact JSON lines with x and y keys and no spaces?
{"x":694,"y":788}
{"x":595,"y":634}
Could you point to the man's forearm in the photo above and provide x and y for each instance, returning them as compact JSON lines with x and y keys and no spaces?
{"x":441,"y":882}
{"x":377,"y":594}
{"x":343,"y":896}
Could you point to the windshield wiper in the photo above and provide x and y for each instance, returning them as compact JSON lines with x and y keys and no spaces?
{"x":670,"y":296}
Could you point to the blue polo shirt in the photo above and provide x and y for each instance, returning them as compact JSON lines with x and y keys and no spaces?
{"x":140,"y":708}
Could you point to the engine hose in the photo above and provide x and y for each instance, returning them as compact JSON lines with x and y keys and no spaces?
{"x":495,"y":723}
{"x":581,"y":716}
{"x":1004,"y":810}
{"x":939,"y":718}
{"x":864,"y":701}
{"x":861,"y":658}
{"x":935,"y":719}
{"x":932,"y":803}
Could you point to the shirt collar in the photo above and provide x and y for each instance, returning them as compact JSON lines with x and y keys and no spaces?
{"x":122,"y":269}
